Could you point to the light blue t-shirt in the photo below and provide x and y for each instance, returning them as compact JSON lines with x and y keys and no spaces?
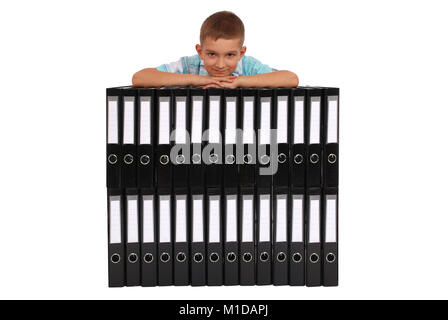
{"x":247,"y":66}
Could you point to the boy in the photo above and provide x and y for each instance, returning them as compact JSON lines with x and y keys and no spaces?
{"x":220,"y":62}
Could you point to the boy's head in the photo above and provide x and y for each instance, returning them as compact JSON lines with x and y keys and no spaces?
{"x":222,"y":39}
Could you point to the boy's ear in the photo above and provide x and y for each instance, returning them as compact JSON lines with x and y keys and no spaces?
{"x":199,"y":50}
{"x":243,"y":51}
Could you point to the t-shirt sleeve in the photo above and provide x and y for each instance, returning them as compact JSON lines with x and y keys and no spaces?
{"x":174,"y":67}
{"x":253,"y":66}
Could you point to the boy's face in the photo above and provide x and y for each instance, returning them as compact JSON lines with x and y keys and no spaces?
{"x":220,"y":56}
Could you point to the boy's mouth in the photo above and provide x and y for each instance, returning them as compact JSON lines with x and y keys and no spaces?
{"x":219,"y":71}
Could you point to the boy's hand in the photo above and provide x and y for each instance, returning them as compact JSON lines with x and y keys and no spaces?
{"x":205,"y":82}
{"x":232,"y":85}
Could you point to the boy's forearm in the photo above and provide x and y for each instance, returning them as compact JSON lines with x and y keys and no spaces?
{"x":154,"y":78}
{"x":284,"y":78}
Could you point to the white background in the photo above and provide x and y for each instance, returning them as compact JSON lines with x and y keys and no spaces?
{"x":388,"y":58}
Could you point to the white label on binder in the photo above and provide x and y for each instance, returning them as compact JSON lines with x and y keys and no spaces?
{"x":315,"y":121}
{"x":297,"y":218}
{"x":128,"y":125}
{"x":248,"y":219}
{"x":265,"y":218}
{"x":231,"y":120}
{"x":112,"y":119}
{"x":198,"y":219}
{"x":299,"y":120}
{"x":132,"y":222}
{"x":332,"y":124}
{"x":213,"y":128}
{"x":282,"y":119}
{"x":181,"y":120}
{"x":165,"y":219}
{"x":148,"y":219}
{"x":214,"y":220}
{"x":196,"y":123}
{"x":331,"y":219}
{"x":248,"y":120}
{"x":265,"y":121}
{"x":164,"y":120}
{"x":314,"y":227}
{"x":231,"y":219}
{"x":145,"y":120}
{"x":282,"y":218}
{"x":181,"y":218}
{"x":115,"y":219}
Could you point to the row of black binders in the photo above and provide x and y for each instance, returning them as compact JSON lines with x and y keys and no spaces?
{"x":222,"y":186}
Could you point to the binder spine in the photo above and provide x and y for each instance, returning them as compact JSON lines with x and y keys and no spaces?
{"x":283,"y":107}
{"x":114,"y":135}
{"x":281,"y":250}
{"x":298,"y":137}
{"x":129,"y":146}
{"x":215,"y":271}
{"x":230,"y":230}
{"x":330,"y":238}
{"x":116,"y":244}
{"x":197,"y":124}
{"x":265,"y":138}
{"x":213,"y":150}
{"x":297,"y":257}
{"x":164,"y":170}
{"x":314,"y":138}
{"x":264,"y":238}
{"x":198,"y":258}
{"x":247,"y":242}
{"x":148,"y":236}
{"x":181,"y":154}
{"x":132,"y":238}
{"x":313,"y":238}
{"x":246,"y":123}
{"x":330,"y":202}
{"x":229,"y":117}
{"x":331,"y":138}
{"x":181,"y":248}
{"x":147,"y":125}
{"x":165,"y":239}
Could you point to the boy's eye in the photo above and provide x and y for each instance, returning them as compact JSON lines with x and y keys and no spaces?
{"x":211,"y":54}
{"x":231,"y":54}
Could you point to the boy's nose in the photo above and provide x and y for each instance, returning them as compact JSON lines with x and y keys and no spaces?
{"x":220,"y":63}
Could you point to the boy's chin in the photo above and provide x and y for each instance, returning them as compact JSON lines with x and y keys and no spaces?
{"x":220,"y":74}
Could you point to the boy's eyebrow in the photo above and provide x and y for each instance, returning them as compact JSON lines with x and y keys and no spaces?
{"x":235,"y":52}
